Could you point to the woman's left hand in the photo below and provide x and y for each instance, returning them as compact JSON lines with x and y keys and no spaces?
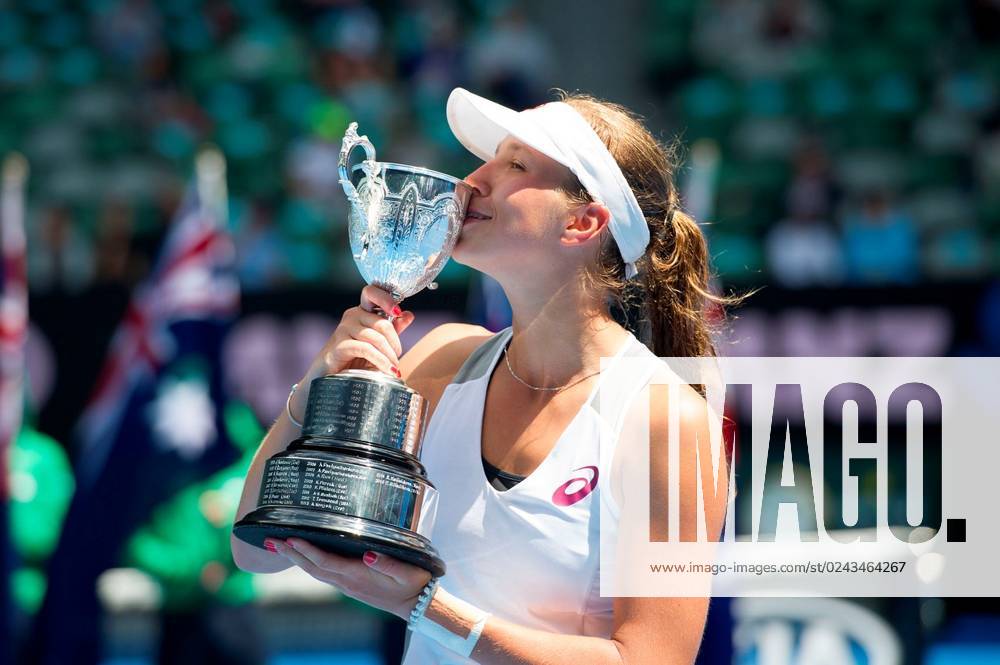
{"x":378,"y":580}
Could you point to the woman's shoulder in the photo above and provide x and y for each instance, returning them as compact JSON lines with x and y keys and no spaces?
{"x":429,"y":366}
{"x":445,"y":347}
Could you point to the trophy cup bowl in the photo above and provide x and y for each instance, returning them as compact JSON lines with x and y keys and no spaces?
{"x":353,"y":481}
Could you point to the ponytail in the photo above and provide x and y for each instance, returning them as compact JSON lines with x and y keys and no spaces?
{"x":668,"y":305}
{"x":675,"y":288}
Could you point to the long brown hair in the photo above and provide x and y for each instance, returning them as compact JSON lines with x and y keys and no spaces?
{"x":673,"y":293}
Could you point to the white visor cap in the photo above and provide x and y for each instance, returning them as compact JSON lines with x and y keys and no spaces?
{"x":560,"y":133}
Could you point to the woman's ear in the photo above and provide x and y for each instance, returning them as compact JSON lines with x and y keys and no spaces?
{"x":585,"y":222}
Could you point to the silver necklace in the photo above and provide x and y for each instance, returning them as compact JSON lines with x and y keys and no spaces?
{"x":528,"y":385}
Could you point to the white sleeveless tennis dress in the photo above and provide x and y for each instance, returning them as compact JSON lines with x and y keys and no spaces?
{"x":529,"y":554}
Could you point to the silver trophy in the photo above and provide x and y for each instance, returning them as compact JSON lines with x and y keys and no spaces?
{"x":404,"y":220}
{"x":353,"y":481}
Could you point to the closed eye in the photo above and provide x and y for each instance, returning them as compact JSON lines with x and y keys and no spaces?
{"x":514,"y":164}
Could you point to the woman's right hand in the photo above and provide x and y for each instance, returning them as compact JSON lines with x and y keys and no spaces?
{"x":363,"y":339}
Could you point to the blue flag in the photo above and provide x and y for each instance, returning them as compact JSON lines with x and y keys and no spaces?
{"x":153,"y":425}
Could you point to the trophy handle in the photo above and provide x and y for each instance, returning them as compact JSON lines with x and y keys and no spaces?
{"x":351,"y":141}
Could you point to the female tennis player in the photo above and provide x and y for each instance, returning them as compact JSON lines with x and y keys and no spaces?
{"x":573,"y":209}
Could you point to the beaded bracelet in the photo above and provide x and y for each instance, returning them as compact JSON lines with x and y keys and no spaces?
{"x":423,"y":601}
{"x":464,"y":646}
{"x":288,"y":407}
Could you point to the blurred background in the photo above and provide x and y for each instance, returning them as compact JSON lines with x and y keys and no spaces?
{"x":843,"y":155}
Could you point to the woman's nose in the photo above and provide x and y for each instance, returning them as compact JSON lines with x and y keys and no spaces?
{"x":478,"y":181}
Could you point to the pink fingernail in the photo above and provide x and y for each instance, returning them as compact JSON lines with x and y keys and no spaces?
{"x":270,"y":546}
{"x":397,"y":310}
{"x":395,"y":370}
{"x":370,"y":558}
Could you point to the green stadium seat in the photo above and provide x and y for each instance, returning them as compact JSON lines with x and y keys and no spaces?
{"x":970,"y":91}
{"x":22,"y":66}
{"x":942,"y":207}
{"x":750,"y":195}
{"x":737,"y":257}
{"x":764,"y":138}
{"x":13,"y":29}
{"x":710,"y":97}
{"x":988,"y":212}
{"x":928,"y":170}
{"x":43,"y":7}
{"x":53,"y":143}
{"x":32,"y":106}
{"x":860,"y":170}
{"x":246,"y":138}
{"x":766,"y":97}
{"x":943,"y":132}
{"x":303,"y":219}
{"x":76,"y":67}
{"x":956,"y":254}
{"x":228,"y":101}
{"x":328,"y":119}
{"x":709,"y":106}
{"x":190,"y":33}
{"x":61,"y":30}
{"x":175,"y":141}
{"x":830,"y":96}
{"x":292,"y":101}
{"x":894,"y":93}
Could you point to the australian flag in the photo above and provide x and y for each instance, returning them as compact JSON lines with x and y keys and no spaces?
{"x":153,"y":425}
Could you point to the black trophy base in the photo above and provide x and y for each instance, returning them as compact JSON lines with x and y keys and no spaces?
{"x":341,"y":534}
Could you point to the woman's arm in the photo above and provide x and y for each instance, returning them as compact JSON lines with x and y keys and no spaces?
{"x":250,"y":558}
{"x":654,"y":631}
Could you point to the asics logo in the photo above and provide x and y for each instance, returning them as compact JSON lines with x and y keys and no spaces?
{"x":564,"y":497}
